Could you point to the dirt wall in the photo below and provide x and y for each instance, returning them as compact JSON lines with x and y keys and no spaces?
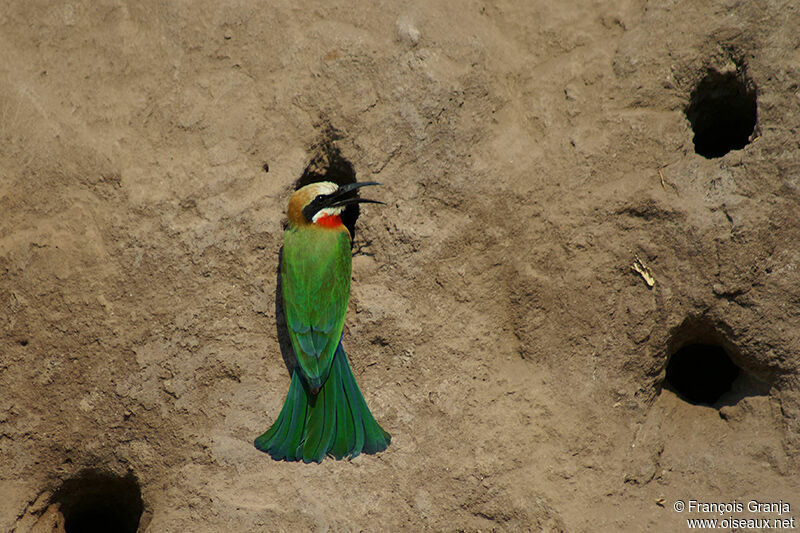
{"x":551,"y":238}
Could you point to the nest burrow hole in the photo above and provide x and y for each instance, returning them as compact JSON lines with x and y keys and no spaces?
{"x":723,"y":113}
{"x":701,"y":373}
{"x":100,"y":502}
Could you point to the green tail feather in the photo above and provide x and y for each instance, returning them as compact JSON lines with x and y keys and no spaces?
{"x":335,"y":422}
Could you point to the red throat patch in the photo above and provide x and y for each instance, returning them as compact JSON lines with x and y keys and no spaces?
{"x":329,"y":221}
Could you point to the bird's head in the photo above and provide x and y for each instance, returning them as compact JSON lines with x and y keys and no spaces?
{"x":323,"y":202}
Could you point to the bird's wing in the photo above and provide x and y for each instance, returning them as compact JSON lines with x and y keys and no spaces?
{"x":315,"y":278}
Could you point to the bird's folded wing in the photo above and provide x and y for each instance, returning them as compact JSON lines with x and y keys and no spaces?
{"x":315,"y":279}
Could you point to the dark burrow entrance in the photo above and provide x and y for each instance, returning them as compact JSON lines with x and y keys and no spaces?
{"x":100,"y":502}
{"x":723,"y":113}
{"x":701,"y":373}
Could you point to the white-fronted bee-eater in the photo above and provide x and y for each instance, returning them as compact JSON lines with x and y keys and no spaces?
{"x":324,"y":412}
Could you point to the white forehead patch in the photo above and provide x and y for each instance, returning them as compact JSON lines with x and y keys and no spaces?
{"x":322,"y":187}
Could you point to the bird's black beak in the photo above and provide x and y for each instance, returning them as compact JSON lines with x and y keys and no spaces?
{"x":346,"y":195}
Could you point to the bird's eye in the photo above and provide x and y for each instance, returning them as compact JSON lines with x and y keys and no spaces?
{"x":319,"y":197}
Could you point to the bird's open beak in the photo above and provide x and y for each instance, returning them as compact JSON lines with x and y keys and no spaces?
{"x":346,"y":195}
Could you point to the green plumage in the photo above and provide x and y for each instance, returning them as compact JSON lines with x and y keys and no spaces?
{"x":324,"y":412}
{"x":315,"y":276}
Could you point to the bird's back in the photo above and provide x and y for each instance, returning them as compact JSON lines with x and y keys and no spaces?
{"x":315,"y":277}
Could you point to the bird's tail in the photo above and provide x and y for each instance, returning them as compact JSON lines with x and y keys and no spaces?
{"x":336,"y":421}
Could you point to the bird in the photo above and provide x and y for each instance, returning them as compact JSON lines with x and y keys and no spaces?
{"x":324,"y":413}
